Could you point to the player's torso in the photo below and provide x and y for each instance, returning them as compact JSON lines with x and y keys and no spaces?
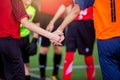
{"x":107,"y":18}
{"x":9,"y":26}
{"x":85,"y":14}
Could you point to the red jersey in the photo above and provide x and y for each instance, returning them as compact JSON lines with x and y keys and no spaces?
{"x":85,"y":14}
{"x":12,"y":11}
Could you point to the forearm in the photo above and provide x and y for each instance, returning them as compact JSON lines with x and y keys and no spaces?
{"x":34,"y":28}
{"x":59,"y":12}
{"x":70,"y":17}
{"x":35,"y":35}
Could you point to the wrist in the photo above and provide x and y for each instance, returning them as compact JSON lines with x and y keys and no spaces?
{"x":51,"y":22}
{"x":59,"y":30}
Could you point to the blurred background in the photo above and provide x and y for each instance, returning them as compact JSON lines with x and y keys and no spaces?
{"x":79,"y":72}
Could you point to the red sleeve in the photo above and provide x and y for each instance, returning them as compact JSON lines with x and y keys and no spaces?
{"x":66,"y":2}
{"x":18,"y":9}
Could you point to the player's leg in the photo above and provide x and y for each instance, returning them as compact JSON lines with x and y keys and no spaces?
{"x":24,"y":42}
{"x":90,"y":70}
{"x":44,"y":44}
{"x":57,"y":53}
{"x":1,"y":69}
{"x":43,"y":56}
{"x":26,"y":66}
{"x":12,"y":59}
{"x":109,"y":58}
{"x":67,"y":69}
{"x":56,"y":61}
{"x":70,"y":50}
{"x":27,"y":71}
{"x":85,"y":44}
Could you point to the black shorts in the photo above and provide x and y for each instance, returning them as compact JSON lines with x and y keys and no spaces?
{"x":12,"y":59}
{"x":80,"y":35}
{"x":1,"y":69}
{"x":24,"y":42}
{"x":44,"y":21}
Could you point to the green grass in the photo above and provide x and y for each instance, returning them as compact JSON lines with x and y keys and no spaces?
{"x":77,"y":74}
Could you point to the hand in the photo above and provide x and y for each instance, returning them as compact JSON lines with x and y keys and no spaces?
{"x":55,"y":39}
{"x":61,"y":37}
{"x":61,"y":34}
{"x":50,"y":27}
{"x":32,"y":47}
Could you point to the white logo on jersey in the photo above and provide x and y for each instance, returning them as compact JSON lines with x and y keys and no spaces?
{"x":83,"y":13}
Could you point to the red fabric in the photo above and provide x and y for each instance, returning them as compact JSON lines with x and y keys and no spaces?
{"x":90,"y":70}
{"x":10,"y":19}
{"x":67,"y":70}
{"x":85,"y":14}
{"x":18,"y":9}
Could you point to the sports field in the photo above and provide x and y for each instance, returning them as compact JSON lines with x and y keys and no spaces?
{"x":78,"y":66}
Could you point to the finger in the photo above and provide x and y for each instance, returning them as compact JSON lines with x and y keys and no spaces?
{"x":55,"y":42}
{"x":62,"y":38}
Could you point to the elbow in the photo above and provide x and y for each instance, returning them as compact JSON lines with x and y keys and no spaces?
{"x":24,"y":22}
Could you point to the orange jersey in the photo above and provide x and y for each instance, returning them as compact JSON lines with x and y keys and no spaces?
{"x":107,"y":18}
{"x":49,"y":6}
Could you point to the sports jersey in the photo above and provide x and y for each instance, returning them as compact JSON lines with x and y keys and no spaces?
{"x":23,"y":31}
{"x":10,"y":18}
{"x":85,"y":14}
{"x":106,"y":17}
{"x":49,"y":6}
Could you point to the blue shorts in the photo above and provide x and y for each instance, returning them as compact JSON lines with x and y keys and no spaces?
{"x":109,"y":58}
{"x":80,"y":35}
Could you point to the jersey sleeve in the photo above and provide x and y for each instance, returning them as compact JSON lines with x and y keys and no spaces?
{"x":84,"y":3}
{"x":18,"y":9}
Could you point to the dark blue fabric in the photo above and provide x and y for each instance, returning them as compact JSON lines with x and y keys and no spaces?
{"x":109,"y":57}
{"x":84,"y":3}
{"x":12,"y":59}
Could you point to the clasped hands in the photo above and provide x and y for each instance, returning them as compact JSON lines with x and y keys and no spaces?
{"x":59,"y":37}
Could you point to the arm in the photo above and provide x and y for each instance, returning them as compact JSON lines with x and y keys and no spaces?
{"x":33,"y":27}
{"x":22,"y":17}
{"x":32,"y":47}
{"x":70,"y":17}
{"x":77,"y":7}
{"x":59,"y":12}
